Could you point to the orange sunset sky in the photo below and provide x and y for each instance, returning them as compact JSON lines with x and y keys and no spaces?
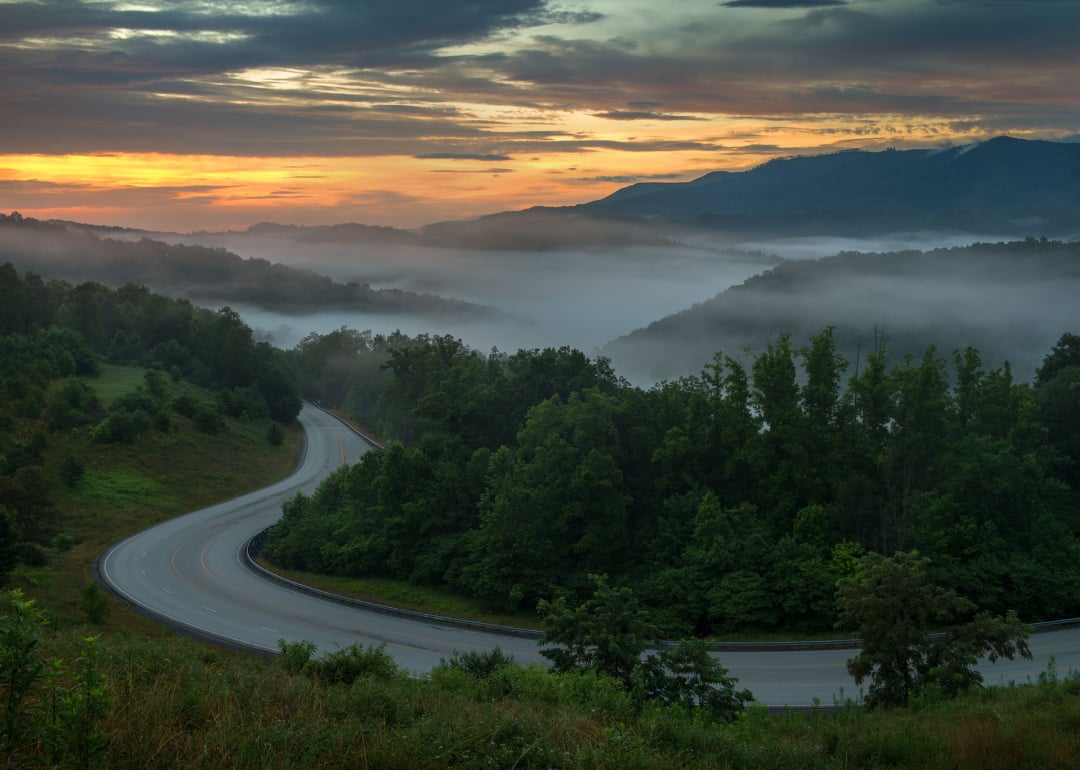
{"x":198,"y":114}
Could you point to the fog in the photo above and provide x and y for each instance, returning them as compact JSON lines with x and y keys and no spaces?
{"x":817,"y":246}
{"x":1011,"y":304}
{"x":582,"y":298}
{"x":658,"y":311}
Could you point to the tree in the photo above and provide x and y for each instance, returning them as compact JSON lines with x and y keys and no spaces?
{"x":687,"y":675}
{"x":606,"y":633}
{"x":1065,"y":353}
{"x":609,"y":633}
{"x":894,"y":607}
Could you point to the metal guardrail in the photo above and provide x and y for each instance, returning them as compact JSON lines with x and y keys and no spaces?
{"x":349,"y":425}
{"x":254,"y":546}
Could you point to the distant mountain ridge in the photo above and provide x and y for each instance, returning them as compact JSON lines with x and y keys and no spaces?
{"x":1005,"y":187}
{"x":1011,"y":186}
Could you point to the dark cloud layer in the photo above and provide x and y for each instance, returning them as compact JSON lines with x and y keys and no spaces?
{"x":781,"y":3}
{"x":400,"y":76}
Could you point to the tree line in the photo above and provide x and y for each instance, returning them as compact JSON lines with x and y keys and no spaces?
{"x":731,"y":500}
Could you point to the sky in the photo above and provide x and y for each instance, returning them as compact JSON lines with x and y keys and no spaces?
{"x":189,"y":115}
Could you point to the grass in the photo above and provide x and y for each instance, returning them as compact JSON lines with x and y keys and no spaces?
{"x":178,"y":704}
{"x":398,"y":593}
{"x":127,"y":487}
{"x":114,"y":381}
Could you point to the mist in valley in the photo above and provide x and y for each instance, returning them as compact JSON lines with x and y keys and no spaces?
{"x":658,"y":310}
{"x":662,"y":312}
{"x":1011,"y":302}
{"x":582,"y":298}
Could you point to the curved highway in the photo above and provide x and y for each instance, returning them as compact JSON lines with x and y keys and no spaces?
{"x":189,"y":573}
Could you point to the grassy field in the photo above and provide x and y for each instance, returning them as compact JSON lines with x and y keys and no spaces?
{"x":397,"y":593}
{"x":114,"y":381}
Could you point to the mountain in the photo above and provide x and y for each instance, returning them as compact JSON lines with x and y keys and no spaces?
{"x":1011,"y":301}
{"x":1005,"y":186}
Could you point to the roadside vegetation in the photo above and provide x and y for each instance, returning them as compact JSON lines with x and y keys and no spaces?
{"x":728,"y":502}
{"x":97,"y":443}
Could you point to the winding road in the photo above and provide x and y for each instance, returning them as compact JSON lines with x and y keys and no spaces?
{"x":190,"y":574}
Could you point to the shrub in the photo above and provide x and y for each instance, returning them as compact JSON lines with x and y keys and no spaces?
{"x":72,"y":471}
{"x":208,"y":421}
{"x":478,"y":663}
{"x":354,"y":662}
{"x":95,"y":603}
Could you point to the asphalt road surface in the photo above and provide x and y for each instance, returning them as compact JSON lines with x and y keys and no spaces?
{"x":189,"y":573}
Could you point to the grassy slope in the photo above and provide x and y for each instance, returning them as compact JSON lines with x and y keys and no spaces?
{"x":127,"y":487}
{"x":176,"y":703}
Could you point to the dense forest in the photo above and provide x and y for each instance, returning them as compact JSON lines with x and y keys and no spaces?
{"x":731,"y":500}
{"x":55,"y":335}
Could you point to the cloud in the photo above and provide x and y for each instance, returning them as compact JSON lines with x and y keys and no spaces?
{"x":452,"y":79}
{"x":642,"y":115}
{"x":461,"y":156}
{"x":634,"y":178}
{"x":43,"y":194}
{"x":471,"y":171}
{"x":781,"y":3}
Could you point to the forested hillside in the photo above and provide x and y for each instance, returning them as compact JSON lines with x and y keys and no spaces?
{"x":1010,"y":300}
{"x":54,"y":339}
{"x":731,"y":500}
{"x":201,"y":274}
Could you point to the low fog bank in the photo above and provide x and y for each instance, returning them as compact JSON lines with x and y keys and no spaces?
{"x":818,"y":246}
{"x":1011,"y":302}
{"x":687,"y":301}
{"x":582,"y":297}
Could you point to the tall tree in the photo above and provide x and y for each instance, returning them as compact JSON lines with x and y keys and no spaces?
{"x":893,"y":606}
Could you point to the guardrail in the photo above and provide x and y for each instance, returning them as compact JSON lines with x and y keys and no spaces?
{"x":254,"y":546}
{"x":349,"y":425}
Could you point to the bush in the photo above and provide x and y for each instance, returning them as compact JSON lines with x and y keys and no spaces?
{"x":479,"y":664}
{"x":161,"y":421}
{"x":185,"y":405}
{"x":343,"y":666}
{"x":208,"y":421}
{"x":354,"y":662}
{"x":121,"y":427}
{"x":295,"y":656}
{"x":72,"y":471}
{"x":95,"y":603}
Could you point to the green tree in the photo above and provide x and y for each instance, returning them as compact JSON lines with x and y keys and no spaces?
{"x":894,"y":608}
{"x":687,"y":675}
{"x":608,"y":634}
{"x":1065,"y":353}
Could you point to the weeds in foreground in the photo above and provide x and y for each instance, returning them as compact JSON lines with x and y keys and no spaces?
{"x":136,"y":702}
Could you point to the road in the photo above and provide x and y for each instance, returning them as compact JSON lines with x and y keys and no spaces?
{"x":188,"y":573}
